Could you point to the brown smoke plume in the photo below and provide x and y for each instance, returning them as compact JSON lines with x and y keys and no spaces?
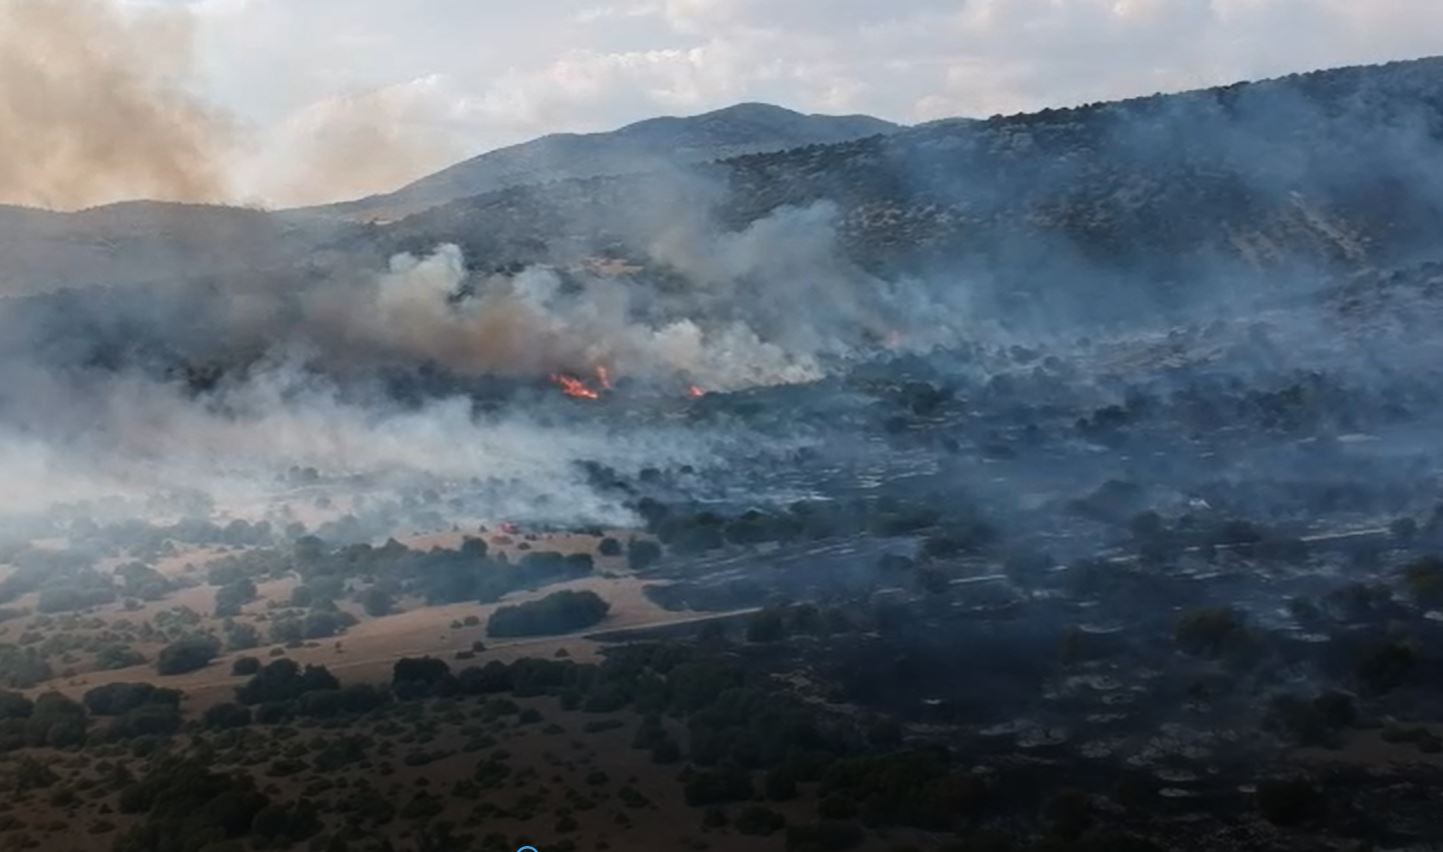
{"x":92,"y":107}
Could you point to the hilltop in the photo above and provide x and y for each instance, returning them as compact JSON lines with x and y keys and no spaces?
{"x":1313,"y":172}
{"x":650,"y":145}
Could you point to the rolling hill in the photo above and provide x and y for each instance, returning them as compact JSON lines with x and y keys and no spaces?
{"x":649,"y":145}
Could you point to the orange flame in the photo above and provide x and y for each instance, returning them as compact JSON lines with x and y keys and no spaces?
{"x":574,"y":387}
{"x":603,"y":377}
{"x":696,"y":391}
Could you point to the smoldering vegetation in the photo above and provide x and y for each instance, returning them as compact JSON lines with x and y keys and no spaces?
{"x":1091,"y":445}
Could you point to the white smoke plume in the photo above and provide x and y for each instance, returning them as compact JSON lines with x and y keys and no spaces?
{"x":134,"y":436}
{"x":300,"y":360}
{"x":773,"y":304}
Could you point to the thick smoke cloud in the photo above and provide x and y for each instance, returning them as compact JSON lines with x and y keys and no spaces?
{"x":771,"y":304}
{"x":376,"y":356}
{"x":92,"y":108}
{"x":132,"y":435}
{"x":96,"y":401}
{"x":101,"y":102}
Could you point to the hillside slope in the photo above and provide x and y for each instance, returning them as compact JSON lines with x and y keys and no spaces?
{"x":644,"y":146}
{"x":1328,"y":170}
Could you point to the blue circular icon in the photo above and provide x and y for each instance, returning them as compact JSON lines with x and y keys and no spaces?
{"x":528,"y":849}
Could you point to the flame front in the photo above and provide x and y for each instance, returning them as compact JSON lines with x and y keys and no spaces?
{"x":603,"y":377}
{"x":574,"y":387}
{"x":696,"y":391}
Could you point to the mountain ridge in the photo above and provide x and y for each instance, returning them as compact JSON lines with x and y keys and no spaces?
{"x":1329,"y":165}
{"x":657,"y":142}
{"x":1290,"y":176}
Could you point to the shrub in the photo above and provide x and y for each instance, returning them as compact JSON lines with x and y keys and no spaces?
{"x":149,"y":720}
{"x":283,"y":680}
{"x":823,"y":837}
{"x":1424,"y":578}
{"x":114,"y":656}
{"x":187,"y":806}
{"x":115,"y":699}
{"x":766,"y":626}
{"x":231,"y":597}
{"x":245,"y":666}
{"x":68,"y":598}
{"x":780,"y":785}
{"x":1288,"y":802}
{"x":22,"y":668}
{"x":187,"y":655}
{"x":420,"y":677}
{"x":227,"y":715}
{"x":1384,"y":667}
{"x":759,"y":821}
{"x":377,"y":601}
{"x":642,"y":554}
{"x":240,"y":636}
{"x":716,"y":787}
{"x":918,"y":788}
{"x":1209,"y":631}
{"x":559,"y":612}
{"x":14,"y":705}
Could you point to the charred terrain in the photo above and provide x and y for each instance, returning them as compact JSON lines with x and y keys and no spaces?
{"x":1064,"y":481}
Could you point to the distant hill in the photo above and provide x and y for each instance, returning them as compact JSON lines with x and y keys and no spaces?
{"x":1080,"y":209}
{"x":1281,"y":179}
{"x":644,"y":146}
{"x":143,"y":241}
{"x":146,"y":241}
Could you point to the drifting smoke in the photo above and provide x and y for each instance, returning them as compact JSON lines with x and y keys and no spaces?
{"x":95,"y":107}
{"x":772,"y":304}
{"x":133,"y":435}
{"x":92,"y":107}
{"x":353,"y":145}
{"x":531,"y":325}
{"x":301,"y":387}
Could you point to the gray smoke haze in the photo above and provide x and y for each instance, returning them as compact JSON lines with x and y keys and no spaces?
{"x":132,"y":436}
{"x":302,"y":359}
{"x":772,"y":304}
{"x":93,"y":109}
{"x":377,"y":356}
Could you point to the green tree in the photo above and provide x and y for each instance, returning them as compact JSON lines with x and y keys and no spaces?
{"x":187,"y":655}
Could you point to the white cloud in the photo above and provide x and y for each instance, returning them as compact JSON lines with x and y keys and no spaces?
{"x":354,"y":145}
{"x":501,"y":73}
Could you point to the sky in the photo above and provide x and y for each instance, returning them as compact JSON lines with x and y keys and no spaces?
{"x":327,"y":99}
